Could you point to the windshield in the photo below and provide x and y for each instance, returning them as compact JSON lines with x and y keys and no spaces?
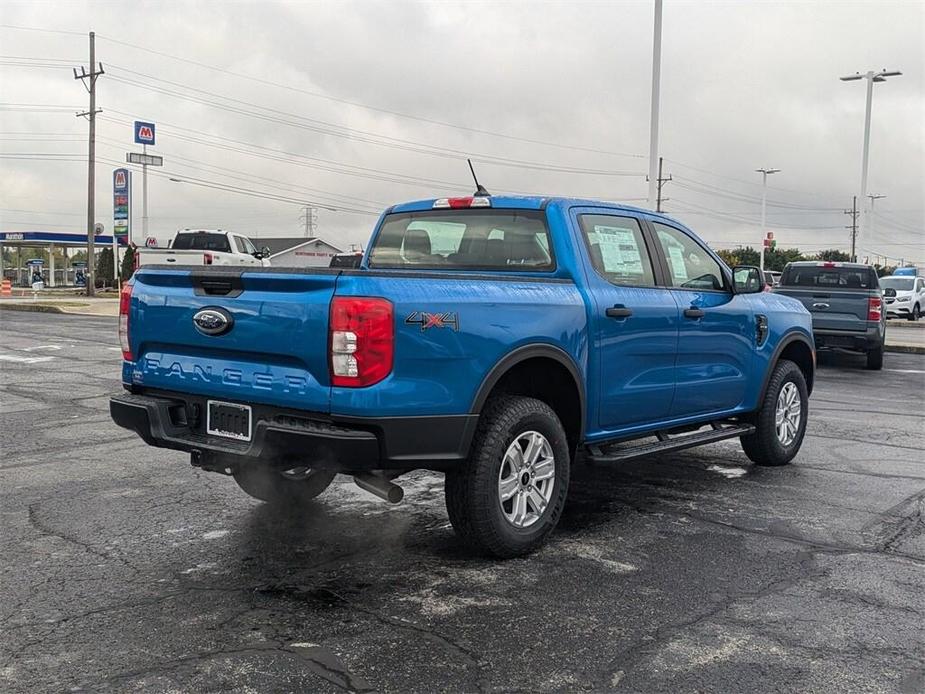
{"x":201,"y":241}
{"x":464,"y":240}
{"x":828,"y":277}
{"x":900,"y":284}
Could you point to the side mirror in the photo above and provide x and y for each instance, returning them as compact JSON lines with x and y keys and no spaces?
{"x":889,"y":291}
{"x":746,"y":279}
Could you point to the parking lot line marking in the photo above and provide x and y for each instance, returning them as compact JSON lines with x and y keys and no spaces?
{"x":32,"y":349}
{"x":24,"y":360}
{"x":906,"y":371}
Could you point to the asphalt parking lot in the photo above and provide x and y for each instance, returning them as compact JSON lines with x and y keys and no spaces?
{"x":124,"y":569}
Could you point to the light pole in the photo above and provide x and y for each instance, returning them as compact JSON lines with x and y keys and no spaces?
{"x":872,"y":198}
{"x":764,"y":210}
{"x":653,"y":122}
{"x":871,"y":77}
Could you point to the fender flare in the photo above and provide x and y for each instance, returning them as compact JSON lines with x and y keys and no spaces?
{"x":521,"y":354}
{"x":786,"y":340}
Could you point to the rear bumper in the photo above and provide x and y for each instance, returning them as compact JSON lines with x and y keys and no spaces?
{"x":865,"y":341}
{"x":281,"y":436}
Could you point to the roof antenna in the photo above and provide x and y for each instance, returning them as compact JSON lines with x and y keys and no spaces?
{"x":479,"y":188}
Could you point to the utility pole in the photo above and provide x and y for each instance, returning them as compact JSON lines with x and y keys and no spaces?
{"x":661,"y":182}
{"x":653,"y":122}
{"x":854,"y":225}
{"x":89,"y":81}
{"x":764,"y":210}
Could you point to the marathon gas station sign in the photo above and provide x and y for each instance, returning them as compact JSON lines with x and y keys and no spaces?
{"x":121,"y":203}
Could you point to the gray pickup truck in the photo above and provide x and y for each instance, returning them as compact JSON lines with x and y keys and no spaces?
{"x":846,"y":303}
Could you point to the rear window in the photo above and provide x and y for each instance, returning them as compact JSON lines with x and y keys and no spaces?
{"x":829,"y":277}
{"x":511,"y":240}
{"x":900,"y":284}
{"x":202,"y":241}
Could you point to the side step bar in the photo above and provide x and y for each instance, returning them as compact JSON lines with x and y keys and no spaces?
{"x":614,"y":453}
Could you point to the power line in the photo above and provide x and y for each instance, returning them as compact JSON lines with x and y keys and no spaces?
{"x":326,"y":128}
{"x":41,"y":29}
{"x":390,"y":112}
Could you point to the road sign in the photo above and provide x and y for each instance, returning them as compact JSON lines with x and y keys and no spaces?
{"x":144,"y":159}
{"x":151,"y":242}
{"x":144,"y":133}
{"x":98,"y":228}
{"x":121,"y":202}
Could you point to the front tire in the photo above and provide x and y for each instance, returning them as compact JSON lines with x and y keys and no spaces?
{"x":780,"y":423}
{"x":509,"y":494}
{"x":916,"y":312}
{"x":281,"y":487}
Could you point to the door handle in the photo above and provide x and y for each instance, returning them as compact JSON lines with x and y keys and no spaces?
{"x":619,"y":312}
{"x":693,"y":313}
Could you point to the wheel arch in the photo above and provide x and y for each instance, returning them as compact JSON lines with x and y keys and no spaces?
{"x":562,"y":387}
{"x":797,"y":348}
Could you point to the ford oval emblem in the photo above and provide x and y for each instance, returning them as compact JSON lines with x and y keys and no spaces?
{"x":213,"y":321}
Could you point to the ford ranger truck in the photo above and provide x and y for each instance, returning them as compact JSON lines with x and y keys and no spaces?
{"x":498,"y":340}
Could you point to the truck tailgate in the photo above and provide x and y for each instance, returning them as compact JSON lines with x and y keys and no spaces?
{"x":275,"y":352}
{"x":832,"y":309}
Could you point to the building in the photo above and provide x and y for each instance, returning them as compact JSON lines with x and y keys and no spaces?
{"x":298,"y":251}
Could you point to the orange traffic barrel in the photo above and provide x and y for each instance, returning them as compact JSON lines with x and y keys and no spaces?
{"x":6,"y":288}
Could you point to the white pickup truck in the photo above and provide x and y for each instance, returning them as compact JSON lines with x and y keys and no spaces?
{"x":205,"y":247}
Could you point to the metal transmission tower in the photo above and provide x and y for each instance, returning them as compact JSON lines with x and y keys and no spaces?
{"x":89,"y":81}
{"x":853,"y":226}
{"x":309,"y":218}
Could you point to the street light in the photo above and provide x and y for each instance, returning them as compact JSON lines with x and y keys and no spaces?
{"x":871,"y":77}
{"x":764,"y":208}
{"x":872,"y":198}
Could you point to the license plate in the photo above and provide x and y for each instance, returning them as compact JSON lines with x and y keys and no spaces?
{"x":228,"y":419}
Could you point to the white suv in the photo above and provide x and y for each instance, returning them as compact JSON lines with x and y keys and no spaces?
{"x":909,"y":300}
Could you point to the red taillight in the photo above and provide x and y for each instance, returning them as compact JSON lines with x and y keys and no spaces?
{"x":361,"y":340}
{"x":829,"y":264}
{"x":125,"y":304}
{"x":874,"y":308}
{"x":206,"y":258}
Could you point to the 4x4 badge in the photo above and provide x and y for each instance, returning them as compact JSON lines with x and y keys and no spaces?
{"x":433,"y":320}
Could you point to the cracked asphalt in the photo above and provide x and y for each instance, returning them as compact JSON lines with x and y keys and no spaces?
{"x":124,"y":569}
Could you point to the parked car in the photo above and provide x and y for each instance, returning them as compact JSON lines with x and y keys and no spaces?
{"x":904,"y":296}
{"x":205,"y":247}
{"x":772,"y":278}
{"x":490,"y":338}
{"x":845,"y":302}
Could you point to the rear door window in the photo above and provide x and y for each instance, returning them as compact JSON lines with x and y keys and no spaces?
{"x":617,"y":249}
{"x":824,"y":277}
{"x":510,"y":240}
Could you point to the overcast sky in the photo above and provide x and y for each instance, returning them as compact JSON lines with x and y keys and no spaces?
{"x":355,"y":106}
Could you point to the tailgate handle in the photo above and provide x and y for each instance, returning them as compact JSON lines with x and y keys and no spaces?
{"x":212,"y":285}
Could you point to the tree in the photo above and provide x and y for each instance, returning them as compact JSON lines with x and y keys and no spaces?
{"x":105,"y":268}
{"x":777,"y":258}
{"x":833,"y":255}
{"x":128,"y":263}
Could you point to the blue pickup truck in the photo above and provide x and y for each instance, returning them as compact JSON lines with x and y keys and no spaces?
{"x":498,"y":340}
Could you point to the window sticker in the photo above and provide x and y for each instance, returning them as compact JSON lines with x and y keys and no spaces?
{"x":676,"y":257}
{"x":619,"y":250}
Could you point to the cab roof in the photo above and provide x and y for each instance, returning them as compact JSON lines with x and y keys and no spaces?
{"x":528,"y":202}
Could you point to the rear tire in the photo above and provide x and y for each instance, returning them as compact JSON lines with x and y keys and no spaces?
{"x":271,"y":484}
{"x":509,"y":494}
{"x":776,"y":441}
{"x":875,"y":359}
